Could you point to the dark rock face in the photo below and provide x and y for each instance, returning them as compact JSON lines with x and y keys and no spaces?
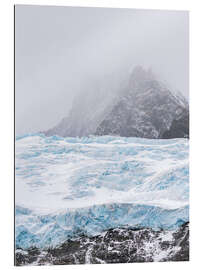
{"x":179,"y":127}
{"x":144,"y":107}
{"x":122,"y":245}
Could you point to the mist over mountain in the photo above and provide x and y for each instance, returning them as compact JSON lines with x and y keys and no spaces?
{"x":60,"y":52}
{"x":141,"y":106}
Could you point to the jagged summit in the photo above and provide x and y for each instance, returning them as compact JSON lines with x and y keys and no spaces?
{"x":139,"y":75}
{"x":144,"y":107}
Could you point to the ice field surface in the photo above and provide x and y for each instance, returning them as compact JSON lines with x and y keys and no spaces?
{"x":65,"y":186}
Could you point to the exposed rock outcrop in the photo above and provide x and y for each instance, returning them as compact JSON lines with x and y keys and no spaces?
{"x":121,"y":245}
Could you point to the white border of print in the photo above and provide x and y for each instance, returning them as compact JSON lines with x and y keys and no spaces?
{"x":196,"y":127}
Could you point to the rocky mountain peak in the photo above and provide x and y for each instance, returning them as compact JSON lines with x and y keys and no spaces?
{"x":144,"y":107}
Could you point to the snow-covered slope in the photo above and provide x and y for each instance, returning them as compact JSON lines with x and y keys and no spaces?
{"x":65,"y":186}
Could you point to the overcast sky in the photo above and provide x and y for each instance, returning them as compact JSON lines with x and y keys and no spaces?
{"x":60,"y":50}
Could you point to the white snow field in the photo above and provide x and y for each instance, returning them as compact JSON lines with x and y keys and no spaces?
{"x":68,"y":186}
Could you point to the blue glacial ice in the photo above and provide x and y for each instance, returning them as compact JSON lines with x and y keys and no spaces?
{"x":69,"y":186}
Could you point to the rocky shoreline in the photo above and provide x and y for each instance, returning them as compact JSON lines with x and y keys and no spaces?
{"x":120,"y":245}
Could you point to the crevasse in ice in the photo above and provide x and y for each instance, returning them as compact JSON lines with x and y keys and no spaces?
{"x":69,"y":186}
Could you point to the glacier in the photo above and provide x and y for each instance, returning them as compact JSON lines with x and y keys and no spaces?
{"x":66,"y":187}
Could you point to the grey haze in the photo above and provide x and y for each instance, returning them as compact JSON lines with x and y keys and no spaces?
{"x":61,"y":52}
